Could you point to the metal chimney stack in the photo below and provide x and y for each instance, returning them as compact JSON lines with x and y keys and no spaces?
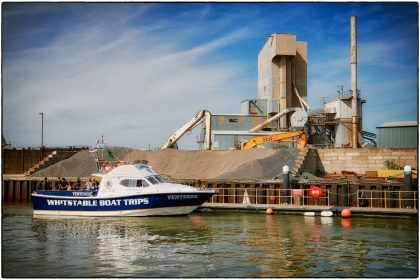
{"x":354,"y":101}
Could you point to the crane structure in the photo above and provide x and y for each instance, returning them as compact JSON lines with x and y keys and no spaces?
{"x":298,"y":120}
{"x":201,"y":116}
{"x":280,"y":137}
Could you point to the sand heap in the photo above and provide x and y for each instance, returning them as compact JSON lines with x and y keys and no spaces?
{"x":237,"y":164}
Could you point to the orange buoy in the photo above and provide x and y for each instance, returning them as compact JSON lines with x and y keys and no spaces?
{"x":345,"y":213}
{"x":269,"y":211}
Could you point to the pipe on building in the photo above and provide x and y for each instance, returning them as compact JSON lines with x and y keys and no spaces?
{"x":270,"y":92}
{"x":303,"y":103}
{"x":355,"y":125}
{"x":273,"y":118}
{"x":353,"y":63}
{"x":283,"y":90}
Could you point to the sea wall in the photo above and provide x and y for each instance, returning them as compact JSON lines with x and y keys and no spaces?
{"x":361,"y":160}
{"x":18,"y":161}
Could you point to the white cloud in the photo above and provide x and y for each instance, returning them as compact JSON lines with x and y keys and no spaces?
{"x":130,"y":84}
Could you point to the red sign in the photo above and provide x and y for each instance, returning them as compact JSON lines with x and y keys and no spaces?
{"x":297,"y":192}
{"x":315,"y":191}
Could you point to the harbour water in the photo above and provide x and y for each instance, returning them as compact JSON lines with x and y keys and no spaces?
{"x":209,"y":244}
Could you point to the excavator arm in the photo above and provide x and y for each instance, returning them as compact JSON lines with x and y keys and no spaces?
{"x":281,"y":137}
{"x":201,"y":116}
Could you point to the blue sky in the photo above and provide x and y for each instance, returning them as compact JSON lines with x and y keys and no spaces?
{"x":135,"y":72}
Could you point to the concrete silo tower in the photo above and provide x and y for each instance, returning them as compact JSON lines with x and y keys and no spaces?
{"x":282,"y":74}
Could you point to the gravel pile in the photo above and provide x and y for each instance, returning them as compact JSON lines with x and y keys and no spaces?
{"x":263,"y":168}
{"x":237,"y":164}
{"x":81,"y":164}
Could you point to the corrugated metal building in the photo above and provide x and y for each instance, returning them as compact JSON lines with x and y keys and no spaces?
{"x":397,"y":135}
{"x":229,"y":130}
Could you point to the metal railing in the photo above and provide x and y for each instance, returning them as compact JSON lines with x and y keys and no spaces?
{"x":386,"y":199}
{"x":297,"y":197}
{"x":301,"y":197}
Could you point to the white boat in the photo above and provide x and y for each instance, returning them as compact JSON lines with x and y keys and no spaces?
{"x":127,"y":190}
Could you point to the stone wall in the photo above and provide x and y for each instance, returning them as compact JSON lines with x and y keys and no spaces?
{"x":329,"y":161}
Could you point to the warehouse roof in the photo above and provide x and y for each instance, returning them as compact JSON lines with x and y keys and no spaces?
{"x":399,"y":124}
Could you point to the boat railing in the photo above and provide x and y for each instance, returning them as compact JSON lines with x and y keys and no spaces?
{"x":303,"y":197}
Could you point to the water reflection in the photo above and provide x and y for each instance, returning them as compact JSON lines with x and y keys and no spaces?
{"x":346,"y":223}
{"x":208,"y":245}
{"x":119,"y":246}
{"x":282,"y":249}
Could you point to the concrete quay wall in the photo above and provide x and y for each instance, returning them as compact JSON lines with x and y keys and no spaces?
{"x":328,"y":161}
{"x":17,"y":161}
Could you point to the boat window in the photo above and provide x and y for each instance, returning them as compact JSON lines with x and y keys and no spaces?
{"x":144,"y":167}
{"x":152,"y":180}
{"x":160,"y":180}
{"x":124,"y":182}
{"x":142,"y":183}
{"x":133,"y":183}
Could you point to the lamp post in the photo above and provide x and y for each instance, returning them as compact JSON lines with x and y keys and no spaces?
{"x":42,"y":133}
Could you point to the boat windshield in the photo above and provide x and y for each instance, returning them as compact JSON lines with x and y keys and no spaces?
{"x":144,"y":167}
{"x":160,"y":179}
{"x":155,"y":179}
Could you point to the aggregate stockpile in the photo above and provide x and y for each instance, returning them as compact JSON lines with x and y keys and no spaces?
{"x":236,"y":164}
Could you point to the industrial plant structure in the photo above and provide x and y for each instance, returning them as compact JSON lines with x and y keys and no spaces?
{"x":282,"y":89}
{"x":281,"y":107}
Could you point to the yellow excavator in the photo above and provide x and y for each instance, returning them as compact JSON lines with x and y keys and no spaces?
{"x":280,"y":137}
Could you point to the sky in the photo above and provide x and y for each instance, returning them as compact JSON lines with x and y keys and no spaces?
{"x":136,"y":72}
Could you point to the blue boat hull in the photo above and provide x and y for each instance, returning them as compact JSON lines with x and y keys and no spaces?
{"x":86,"y":204}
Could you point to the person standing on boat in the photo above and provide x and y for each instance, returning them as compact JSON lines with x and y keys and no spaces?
{"x":58,"y":185}
{"x":45,"y":184}
{"x":64,"y":184}
{"x":78,"y":185}
{"x":88,"y":184}
{"x":94,"y":184}
{"x":38,"y":186}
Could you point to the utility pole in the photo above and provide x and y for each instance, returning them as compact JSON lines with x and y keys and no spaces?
{"x":42,"y":134}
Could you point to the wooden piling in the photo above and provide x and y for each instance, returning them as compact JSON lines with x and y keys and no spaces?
{"x":24,"y":192}
{"x":10,"y":191}
{"x":16,"y":190}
